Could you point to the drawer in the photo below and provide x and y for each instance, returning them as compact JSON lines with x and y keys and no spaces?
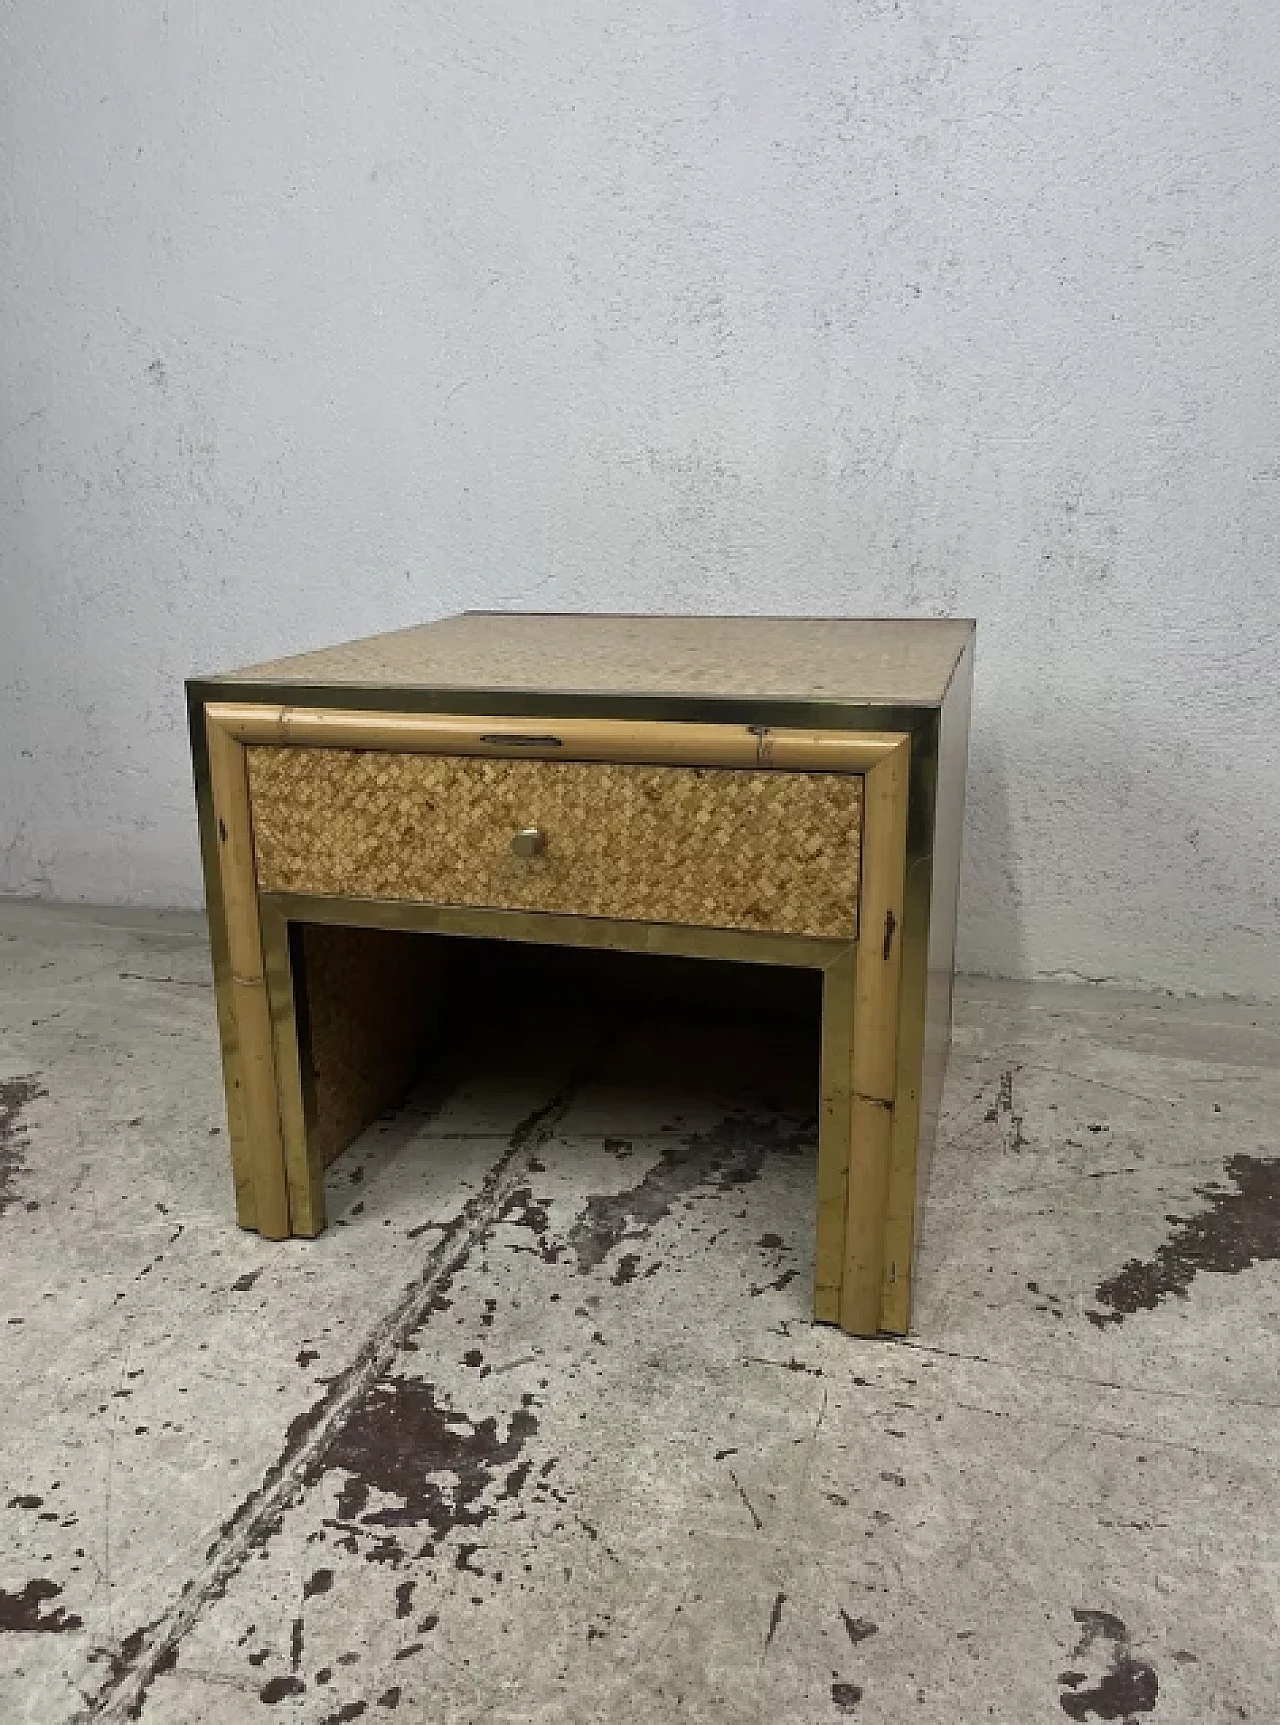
{"x":719,"y":847}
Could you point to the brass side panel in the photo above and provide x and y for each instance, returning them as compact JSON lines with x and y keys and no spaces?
{"x":928,"y":961}
{"x":710,"y":847}
{"x":953,"y":755}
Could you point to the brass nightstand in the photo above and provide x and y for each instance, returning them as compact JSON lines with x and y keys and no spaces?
{"x":771,"y":790}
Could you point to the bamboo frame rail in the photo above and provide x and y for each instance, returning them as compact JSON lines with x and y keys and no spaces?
{"x":655,"y":741}
{"x":280,"y":1185}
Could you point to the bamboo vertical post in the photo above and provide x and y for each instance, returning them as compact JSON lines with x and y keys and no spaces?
{"x":234,"y":837}
{"x":875,"y":1049}
{"x":304,"y":1170}
{"x":835,"y":1132}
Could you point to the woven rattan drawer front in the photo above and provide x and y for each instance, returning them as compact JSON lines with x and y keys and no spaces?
{"x":711,"y":846}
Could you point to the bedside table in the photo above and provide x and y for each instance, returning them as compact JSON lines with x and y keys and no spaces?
{"x":779,"y":791}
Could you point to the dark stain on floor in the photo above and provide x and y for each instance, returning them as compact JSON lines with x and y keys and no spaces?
{"x":730,"y":1154}
{"x":15,"y":1095}
{"x":395,"y":1438}
{"x":523,"y":1210}
{"x":403,"y":1444}
{"x":859,"y":1628}
{"x":23,"y":1613}
{"x":775,"y":1618}
{"x":1239,"y":1227}
{"x":778,"y":1283}
{"x":1123,"y":1689}
{"x":277,"y":1689}
{"x":846,"y":1695}
{"x":1002,"y":1110}
{"x":408,"y":1460}
{"x":119,"y":1658}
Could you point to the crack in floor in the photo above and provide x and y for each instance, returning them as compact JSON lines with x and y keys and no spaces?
{"x":152,"y":1650}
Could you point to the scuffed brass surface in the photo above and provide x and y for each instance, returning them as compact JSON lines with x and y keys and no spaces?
{"x":741,"y":946}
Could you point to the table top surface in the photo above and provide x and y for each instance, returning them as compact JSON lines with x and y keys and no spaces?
{"x":907,"y":661}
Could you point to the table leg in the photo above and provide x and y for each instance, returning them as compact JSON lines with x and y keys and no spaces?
{"x":835,"y":1130}
{"x":247,"y":983}
{"x":875,"y":1040}
{"x":304,"y":1169}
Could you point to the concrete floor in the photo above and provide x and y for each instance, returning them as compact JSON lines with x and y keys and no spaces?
{"x":540,"y":1430}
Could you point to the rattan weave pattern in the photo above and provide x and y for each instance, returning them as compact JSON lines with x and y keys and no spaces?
{"x":371,"y":996}
{"x":713,"y":847}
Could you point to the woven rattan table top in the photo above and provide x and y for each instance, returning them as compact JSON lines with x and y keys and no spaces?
{"x":903,"y":661}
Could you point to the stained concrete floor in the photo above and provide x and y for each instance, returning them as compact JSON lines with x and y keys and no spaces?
{"x":540,"y":1430}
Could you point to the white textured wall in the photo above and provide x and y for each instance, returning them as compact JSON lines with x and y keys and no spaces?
{"x":324,"y":317}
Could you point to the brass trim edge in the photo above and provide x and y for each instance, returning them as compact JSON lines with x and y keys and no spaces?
{"x":557,"y":928}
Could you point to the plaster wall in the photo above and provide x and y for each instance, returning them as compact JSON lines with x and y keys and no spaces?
{"x":323,"y":318}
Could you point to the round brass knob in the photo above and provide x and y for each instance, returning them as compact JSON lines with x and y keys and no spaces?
{"x":529,"y":842}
